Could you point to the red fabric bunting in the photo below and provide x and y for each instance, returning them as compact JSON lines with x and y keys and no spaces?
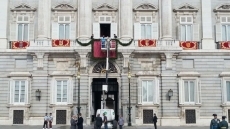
{"x":189,"y":45}
{"x":20,"y":44}
{"x":225,"y":45}
{"x":147,"y":43}
{"x":98,"y":53}
{"x":60,"y":43}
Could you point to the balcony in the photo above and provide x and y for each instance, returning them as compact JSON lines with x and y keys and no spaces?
{"x":223,"y":45}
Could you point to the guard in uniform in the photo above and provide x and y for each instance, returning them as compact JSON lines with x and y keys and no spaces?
{"x":214,"y":122}
{"x":223,"y":124}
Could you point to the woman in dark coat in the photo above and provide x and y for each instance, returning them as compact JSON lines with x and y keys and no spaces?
{"x":80,"y":121}
{"x":73,"y":122}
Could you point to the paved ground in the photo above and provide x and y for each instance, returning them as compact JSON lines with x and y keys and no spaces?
{"x":90,"y":127}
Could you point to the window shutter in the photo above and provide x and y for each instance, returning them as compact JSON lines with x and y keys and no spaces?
{"x":157,"y":91}
{"x":11,"y":89}
{"x":73,"y":30}
{"x":140,"y":93}
{"x":53,"y":91}
{"x":13,"y":32}
{"x":26,"y":92}
{"x":113,"y":29}
{"x":181,"y":91}
{"x":224,"y":94}
{"x":218,"y":32}
{"x":31,"y":31}
{"x":69,"y":93}
{"x":137,"y":31}
{"x":179,"y":32}
{"x":55,"y":30}
{"x":96,"y":30}
{"x":196,"y":34}
{"x":155,"y":34}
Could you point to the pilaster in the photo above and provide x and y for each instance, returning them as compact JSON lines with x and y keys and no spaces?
{"x":44,"y":18}
{"x":207,"y":42}
{"x":40,"y":56}
{"x":126,"y":19}
{"x":166,"y":19}
{"x":3,"y":23}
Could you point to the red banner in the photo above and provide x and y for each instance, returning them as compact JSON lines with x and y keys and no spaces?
{"x":60,"y":43}
{"x":20,"y":44}
{"x":147,"y":43}
{"x":189,"y":45}
{"x":225,"y":45}
{"x":98,"y":53}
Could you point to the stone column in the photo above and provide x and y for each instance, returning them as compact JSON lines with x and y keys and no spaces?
{"x":126,"y":19}
{"x":44,"y":18}
{"x":85,"y":18}
{"x":207,"y":39}
{"x":3,"y":23}
{"x":166,"y":15}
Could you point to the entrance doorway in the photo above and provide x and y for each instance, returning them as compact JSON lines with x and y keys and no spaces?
{"x":112,"y":101}
{"x":105,"y":30}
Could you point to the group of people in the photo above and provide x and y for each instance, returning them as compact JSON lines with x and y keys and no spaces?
{"x":99,"y":122}
{"x":48,"y":121}
{"x":217,"y":124}
{"x":77,"y":121}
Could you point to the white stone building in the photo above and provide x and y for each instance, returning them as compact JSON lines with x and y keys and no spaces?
{"x":178,"y":44}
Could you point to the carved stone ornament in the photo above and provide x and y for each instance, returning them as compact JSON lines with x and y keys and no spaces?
{"x":62,"y":64}
{"x":105,"y":7}
{"x":23,"y":7}
{"x":64,"y":7}
{"x":145,"y":7}
{"x":186,"y":8}
{"x":100,"y":67}
{"x":223,"y":8}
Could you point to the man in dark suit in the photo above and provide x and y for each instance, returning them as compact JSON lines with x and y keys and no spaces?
{"x":98,"y":122}
{"x":80,"y":121}
{"x":73,"y":122}
{"x":155,"y":121}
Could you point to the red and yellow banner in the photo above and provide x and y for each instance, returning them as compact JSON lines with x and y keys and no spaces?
{"x":189,"y":45}
{"x":98,"y":53}
{"x":20,"y":44}
{"x":147,"y":43}
{"x":60,"y":43}
{"x":225,"y":45}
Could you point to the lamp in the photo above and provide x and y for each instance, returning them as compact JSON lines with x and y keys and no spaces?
{"x":129,"y":77}
{"x":170,"y":93}
{"x":38,"y":94}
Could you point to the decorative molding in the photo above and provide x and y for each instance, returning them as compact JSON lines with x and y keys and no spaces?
{"x":225,"y":74}
{"x":105,"y":7}
{"x":19,"y":74}
{"x":147,"y":73}
{"x":23,"y":7}
{"x":186,"y":8}
{"x":62,"y":64}
{"x":188,"y":74}
{"x":62,"y":73}
{"x":100,"y":67}
{"x":146,"y":7}
{"x":223,"y":8}
{"x":40,"y":56}
{"x":64,"y":7}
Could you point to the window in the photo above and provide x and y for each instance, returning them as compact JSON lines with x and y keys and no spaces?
{"x":62,"y":90}
{"x":148,"y":91}
{"x":23,"y":28}
{"x":189,"y":90}
{"x":146,"y":31}
{"x":64,"y":27}
{"x":228,"y":90}
{"x":18,"y":91}
{"x":225,"y":32}
{"x":186,"y":28}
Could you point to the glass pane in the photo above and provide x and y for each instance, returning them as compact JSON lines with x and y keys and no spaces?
{"x":61,"y":31}
{"x":16,"y":91}
{"x":67,"y":31}
{"x":59,"y":91}
{"x":183,"y":33}
{"x":228,"y":90}
{"x":189,"y":33}
{"x":228,"y":32}
{"x":144,"y":91}
{"x":142,"y":31}
{"x":148,"y":31}
{"x":20,"y":32}
{"x":192,"y":91}
{"x":26,"y":33}
{"x":186,"y":91}
{"x":150,"y":91}
{"x":224,"y":34}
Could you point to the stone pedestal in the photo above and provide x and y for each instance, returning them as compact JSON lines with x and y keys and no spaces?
{"x":166,"y":18}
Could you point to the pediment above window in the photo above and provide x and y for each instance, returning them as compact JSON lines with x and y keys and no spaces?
{"x":186,"y":8}
{"x":223,"y":8}
{"x":64,"y":7}
{"x":145,"y":7}
{"x":105,"y":7}
{"x":23,"y":7}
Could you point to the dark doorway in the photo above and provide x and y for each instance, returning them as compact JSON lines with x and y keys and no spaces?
{"x":105,"y":30}
{"x":112,"y":95}
{"x":18,"y":116}
{"x":147,"y":116}
{"x":60,"y":116}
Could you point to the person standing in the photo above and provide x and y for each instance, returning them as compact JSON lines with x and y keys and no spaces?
{"x":121,"y":122}
{"x":105,"y":122}
{"x":214,"y":122}
{"x":73,"y":122}
{"x":45,"y":124}
{"x":80,"y":121}
{"x":50,"y":120}
{"x":98,"y":122}
{"x":223,"y":124}
{"x":155,"y":120}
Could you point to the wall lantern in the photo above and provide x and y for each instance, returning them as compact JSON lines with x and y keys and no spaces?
{"x":38,"y":94}
{"x":170,"y":94}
